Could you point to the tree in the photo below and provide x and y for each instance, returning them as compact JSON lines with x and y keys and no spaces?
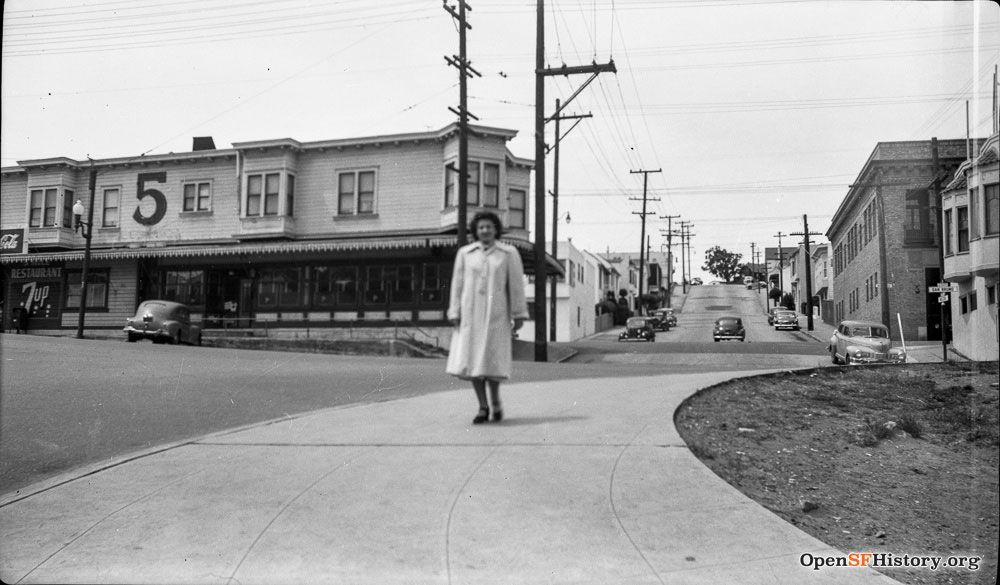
{"x":722,"y":263}
{"x":774,"y":294}
{"x":788,"y":301}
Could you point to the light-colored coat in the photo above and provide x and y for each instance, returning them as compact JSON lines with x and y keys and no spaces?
{"x":487,"y":293}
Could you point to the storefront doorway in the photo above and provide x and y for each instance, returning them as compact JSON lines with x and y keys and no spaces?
{"x":228,"y":299}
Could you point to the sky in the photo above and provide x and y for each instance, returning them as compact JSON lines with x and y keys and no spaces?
{"x":756,"y":111}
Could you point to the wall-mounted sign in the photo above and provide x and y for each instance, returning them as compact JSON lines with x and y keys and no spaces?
{"x":38,"y":289}
{"x":158,"y":198}
{"x":12,"y":241}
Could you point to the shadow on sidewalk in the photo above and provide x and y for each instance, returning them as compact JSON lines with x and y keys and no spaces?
{"x":538,"y":420}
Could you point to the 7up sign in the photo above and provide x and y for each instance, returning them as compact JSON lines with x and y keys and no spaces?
{"x":39,"y":291}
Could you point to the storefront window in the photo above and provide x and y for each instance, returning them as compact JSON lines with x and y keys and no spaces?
{"x":184,"y":286}
{"x":97,"y":289}
{"x":335,"y":286}
{"x":279,"y":288}
{"x":432,"y":289}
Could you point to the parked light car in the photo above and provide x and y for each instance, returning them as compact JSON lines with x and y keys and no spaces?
{"x":162,"y":322}
{"x":660,"y":320}
{"x":864,"y":342}
{"x":729,"y":328}
{"x":749,"y":281}
{"x":771,"y":313}
{"x":786,"y":320}
{"x":696,"y":281}
{"x":639,"y":328}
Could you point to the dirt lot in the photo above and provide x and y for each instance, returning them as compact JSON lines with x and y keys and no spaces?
{"x":898,"y":459}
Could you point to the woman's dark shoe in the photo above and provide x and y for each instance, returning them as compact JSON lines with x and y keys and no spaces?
{"x":497,"y":413}
{"x":482,"y":416}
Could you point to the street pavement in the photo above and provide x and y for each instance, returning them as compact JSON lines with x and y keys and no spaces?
{"x":584,"y":482}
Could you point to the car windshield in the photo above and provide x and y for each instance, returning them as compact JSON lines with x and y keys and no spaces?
{"x":869,"y":332}
{"x":726,"y":322}
{"x":636,"y":322}
{"x":786,"y":314}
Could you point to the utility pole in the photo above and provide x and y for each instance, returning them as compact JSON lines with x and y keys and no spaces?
{"x":753,"y":263}
{"x":541,"y":344}
{"x":781,"y":265}
{"x":88,"y":232}
{"x":686,"y":242}
{"x":670,"y":255}
{"x":642,"y":238}
{"x":555,"y":209}
{"x":805,"y":233}
{"x":465,"y":71}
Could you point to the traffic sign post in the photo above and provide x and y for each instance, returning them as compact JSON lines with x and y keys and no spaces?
{"x":944,"y":290}
{"x":943,"y":298}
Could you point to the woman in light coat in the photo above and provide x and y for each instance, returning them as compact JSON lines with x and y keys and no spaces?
{"x":487,"y":306}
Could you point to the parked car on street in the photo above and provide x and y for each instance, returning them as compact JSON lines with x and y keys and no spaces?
{"x":786,"y":320}
{"x":729,"y":328}
{"x":696,"y":281}
{"x":660,"y":320}
{"x":749,"y":282}
{"x":771,"y":313}
{"x":864,"y":342}
{"x":638,"y":328}
{"x":670,"y":315}
{"x":162,"y":322}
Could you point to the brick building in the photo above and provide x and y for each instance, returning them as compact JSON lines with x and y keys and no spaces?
{"x":885,"y":237}
{"x":971,"y":225}
{"x":325,"y":235}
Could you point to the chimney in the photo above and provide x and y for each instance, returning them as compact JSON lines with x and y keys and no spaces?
{"x":203,"y":143}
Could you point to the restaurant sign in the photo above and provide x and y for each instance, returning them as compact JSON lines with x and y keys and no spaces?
{"x":39,"y":290}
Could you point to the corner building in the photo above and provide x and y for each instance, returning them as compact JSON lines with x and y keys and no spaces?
{"x":323,"y":235}
{"x":885,"y":238}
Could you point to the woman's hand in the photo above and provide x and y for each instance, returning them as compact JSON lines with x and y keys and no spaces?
{"x":518,"y":323}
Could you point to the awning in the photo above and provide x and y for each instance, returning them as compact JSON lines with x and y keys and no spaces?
{"x":525,"y":247}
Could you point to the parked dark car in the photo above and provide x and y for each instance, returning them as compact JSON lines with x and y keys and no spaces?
{"x":162,"y":322}
{"x":661,"y":320}
{"x":729,"y":328}
{"x":670,"y":316}
{"x":786,"y":320}
{"x":864,"y":342}
{"x":638,"y":328}
{"x":772,"y":312}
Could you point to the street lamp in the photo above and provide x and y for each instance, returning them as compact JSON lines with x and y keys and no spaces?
{"x":86,"y":228}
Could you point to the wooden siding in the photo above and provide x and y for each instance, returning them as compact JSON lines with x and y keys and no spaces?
{"x":123,"y":279}
{"x":14,"y":199}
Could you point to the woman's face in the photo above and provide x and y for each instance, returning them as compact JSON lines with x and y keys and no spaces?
{"x":486,"y":231}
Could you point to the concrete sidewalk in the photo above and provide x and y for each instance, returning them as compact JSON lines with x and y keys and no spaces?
{"x":586,"y":481}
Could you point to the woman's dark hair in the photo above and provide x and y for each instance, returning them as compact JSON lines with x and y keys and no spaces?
{"x":485,"y":215}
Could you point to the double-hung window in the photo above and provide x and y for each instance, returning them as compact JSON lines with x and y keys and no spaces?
{"x":963,"y":228}
{"x":974,"y":213}
{"x":473,"y":184}
{"x":67,"y":219}
{"x":97,"y":289}
{"x":491,"y":185}
{"x":991,"y":208}
{"x":43,"y":208}
{"x":197,"y":196}
{"x":947,"y":232}
{"x":263,"y":196}
{"x":450,"y":185}
{"x":356,"y":193}
{"x":111,"y":200}
{"x":515,"y":217}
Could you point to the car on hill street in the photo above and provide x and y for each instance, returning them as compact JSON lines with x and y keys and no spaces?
{"x":639,"y":329}
{"x":786,"y":320}
{"x":771,"y":313}
{"x":662,"y":320}
{"x":162,"y":322}
{"x":729,"y":328}
{"x":670,"y":316}
{"x":864,"y":342}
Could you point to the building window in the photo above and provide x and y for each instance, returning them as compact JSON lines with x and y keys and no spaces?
{"x":963,"y":228}
{"x":964,"y":301}
{"x":875,"y":284}
{"x":432,"y":284}
{"x":973,"y":214}
{"x":991,"y":294}
{"x":972,"y":301}
{"x":43,"y":208}
{"x":290,"y":196}
{"x":97,"y":289}
{"x":197,"y":196}
{"x":515,"y":216}
{"x":473,"y":184}
{"x":112,"y":197}
{"x":184,"y":286}
{"x":356,"y":193}
{"x":991,"y":205}
{"x":263,"y":193}
{"x":450,"y":177}
{"x":279,"y":288}
{"x":491,"y":185}
{"x":572,"y":273}
{"x":389,"y":284}
{"x":947,"y":232}
{"x":335,"y":286}
{"x":67,"y":219}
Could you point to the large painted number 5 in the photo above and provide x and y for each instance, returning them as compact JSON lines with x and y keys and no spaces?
{"x":158,"y":197}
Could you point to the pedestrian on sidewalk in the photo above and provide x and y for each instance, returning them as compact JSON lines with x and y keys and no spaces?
{"x":487,"y":306}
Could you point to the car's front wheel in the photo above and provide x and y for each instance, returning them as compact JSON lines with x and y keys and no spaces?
{"x":132,"y":338}
{"x":176,"y":339}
